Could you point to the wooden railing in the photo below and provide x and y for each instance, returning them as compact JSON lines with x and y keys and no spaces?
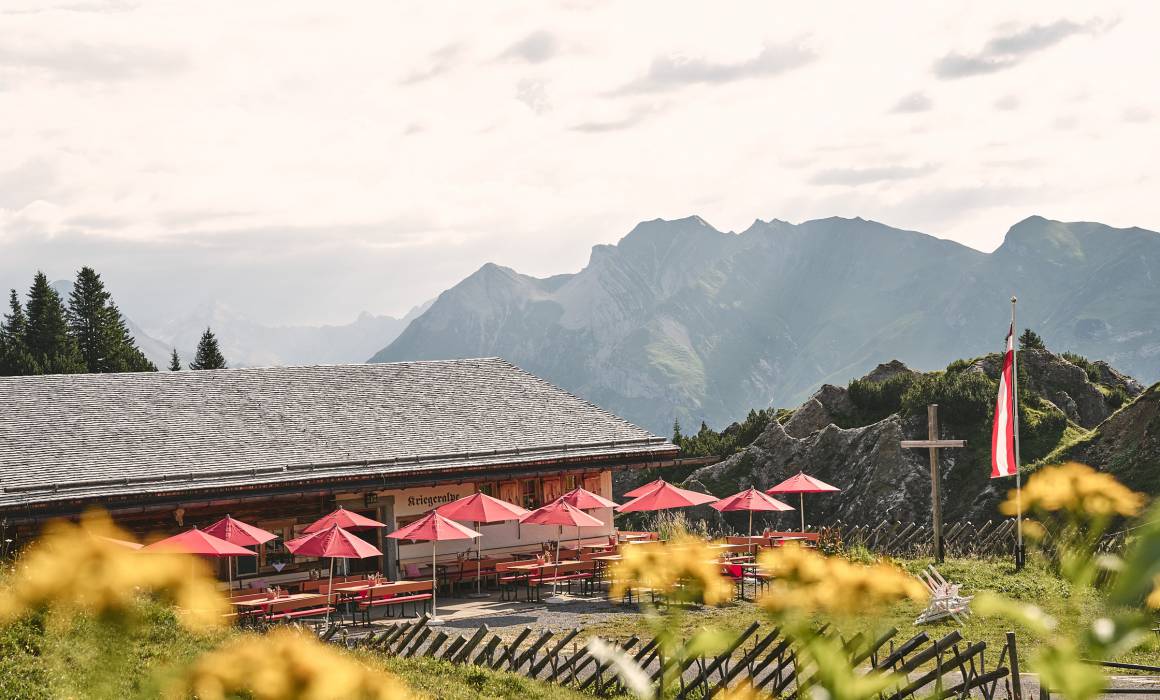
{"x":993,"y":538}
{"x":947,"y":667}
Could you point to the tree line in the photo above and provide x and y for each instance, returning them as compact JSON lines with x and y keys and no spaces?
{"x":47,"y":335}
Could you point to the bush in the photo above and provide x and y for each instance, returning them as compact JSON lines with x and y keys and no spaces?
{"x":963,"y":397}
{"x":876,"y":400}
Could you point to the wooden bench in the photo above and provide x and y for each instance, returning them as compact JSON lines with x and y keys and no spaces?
{"x":509,"y":581}
{"x":395,"y":594}
{"x":566,"y":572}
{"x":296,"y":607}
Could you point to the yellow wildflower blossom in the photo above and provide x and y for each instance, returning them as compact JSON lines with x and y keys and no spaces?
{"x":74,"y":567}
{"x":1077,"y":488}
{"x":285,"y":665}
{"x":806,"y":581}
{"x":1153,"y":600}
{"x":685,"y":567}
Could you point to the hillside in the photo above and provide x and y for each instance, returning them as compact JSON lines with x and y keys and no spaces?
{"x":681,"y":321}
{"x":849,"y":436}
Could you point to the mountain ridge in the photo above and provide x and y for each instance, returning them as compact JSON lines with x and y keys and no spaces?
{"x":678,"y":320}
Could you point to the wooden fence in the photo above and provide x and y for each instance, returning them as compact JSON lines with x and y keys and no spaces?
{"x":947,"y":667}
{"x":994,"y":538}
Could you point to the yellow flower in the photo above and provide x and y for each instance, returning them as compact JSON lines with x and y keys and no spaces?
{"x":284,"y":665}
{"x":805,"y":581}
{"x":1077,"y":488}
{"x":685,"y":567}
{"x":1153,"y":600}
{"x":74,"y":567}
{"x":743,"y":691}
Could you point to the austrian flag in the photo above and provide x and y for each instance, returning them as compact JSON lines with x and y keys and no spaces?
{"x":1003,"y":434}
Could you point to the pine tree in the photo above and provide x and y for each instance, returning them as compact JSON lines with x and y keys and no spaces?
{"x":174,"y":362}
{"x":208,"y":355}
{"x":99,"y":329}
{"x":14,"y":356}
{"x":47,"y":337}
{"x":1030,"y":340}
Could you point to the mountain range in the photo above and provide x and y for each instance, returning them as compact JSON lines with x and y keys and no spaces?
{"x":247,"y":343}
{"x":680,"y":321}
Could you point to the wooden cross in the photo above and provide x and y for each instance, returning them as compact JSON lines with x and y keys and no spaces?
{"x":933,"y":444}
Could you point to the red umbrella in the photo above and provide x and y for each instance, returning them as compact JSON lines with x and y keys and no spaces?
{"x":560,"y":512}
{"x":237,"y":532}
{"x":751,"y":500}
{"x":433,"y":527}
{"x":196,"y":541}
{"x":642,"y":490}
{"x":120,"y":543}
{"x":664,"y":497}
{"x":802,"y":483}
{"x":586,"y":500}
{"x":334,"y":543}
{"x":346,"y":519}
{"x":481,"y":508}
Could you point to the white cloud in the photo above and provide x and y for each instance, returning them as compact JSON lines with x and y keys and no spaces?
{"x":288,"y":158}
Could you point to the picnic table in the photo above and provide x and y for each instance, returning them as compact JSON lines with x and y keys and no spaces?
{"x":387,"y":594}
{"x":726,"y":547}
{"x":285,"y":607}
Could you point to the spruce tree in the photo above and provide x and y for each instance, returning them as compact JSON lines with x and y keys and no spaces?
{"x":174,"y":362}
{"x":1030,"y":340}
{"x":208,"y":355}
{"x":14,"y":356}
{"x":99,"y":329}
{"x":47,"y":337}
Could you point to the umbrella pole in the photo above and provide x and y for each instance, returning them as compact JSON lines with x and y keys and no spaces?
{"x":329,"y":591}
{"x":802,"y":508}
{"x":750,"y":533}
{"x":478,"y":566}
{"x":230,"y":573}
{"x":434,"y":590}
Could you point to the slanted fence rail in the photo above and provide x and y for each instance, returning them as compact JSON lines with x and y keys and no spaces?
{"x":947,"y":667}
{"x":962,"y":538}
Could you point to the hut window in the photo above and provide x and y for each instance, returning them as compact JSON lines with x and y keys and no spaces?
{"x":530,"y":494}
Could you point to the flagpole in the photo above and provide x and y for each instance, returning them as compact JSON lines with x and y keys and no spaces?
{"x":1015,"y":407}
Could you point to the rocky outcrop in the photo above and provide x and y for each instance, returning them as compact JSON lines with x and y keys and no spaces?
{"x":879,"y":480}
{"x":882,"y":481}
{"x":1065,"y":384}
{"x":1127,"y":444}
{"x":830,"y":405}
{"x":888,"y":370}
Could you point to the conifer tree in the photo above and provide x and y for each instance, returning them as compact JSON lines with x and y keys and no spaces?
{"x":14,"y":356}
{"x":1030,"y":340}
{"x":99,"y":329}
{"x":47,"y":337}
{"x":208,"y":355}
{"x":174,"y":362}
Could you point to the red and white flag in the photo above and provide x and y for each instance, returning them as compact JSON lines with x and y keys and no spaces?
{"x":1003,"y":432}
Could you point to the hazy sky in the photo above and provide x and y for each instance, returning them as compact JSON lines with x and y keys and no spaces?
{"x":305,"y":161}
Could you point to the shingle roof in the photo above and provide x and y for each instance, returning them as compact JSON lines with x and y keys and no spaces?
{"x":92,"y":435}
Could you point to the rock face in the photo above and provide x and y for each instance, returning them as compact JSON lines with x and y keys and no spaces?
{"x":831,"y":404}
{"x":1065,"y":384}
{"x":1127,"y":444}
{"x":882,"y":481}
{"x":866,"y":463}
{"x":681,"y":321}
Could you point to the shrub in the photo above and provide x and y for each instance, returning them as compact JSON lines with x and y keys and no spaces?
{"x":963,"y":397}
{"x":877,"y":400}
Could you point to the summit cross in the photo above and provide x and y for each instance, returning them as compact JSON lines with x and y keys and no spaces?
{"x":933,"y":443}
